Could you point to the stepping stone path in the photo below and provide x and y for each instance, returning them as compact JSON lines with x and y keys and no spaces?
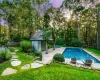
{"x":14,"y":59}
{"x":36,"y":65}
{"x":32,"y":65}
{"x":37,"y":61}
{"x":8,"y":71}
{"x":13,"y":53}
{"x":15,"y":63}
{"x":27,"y":66}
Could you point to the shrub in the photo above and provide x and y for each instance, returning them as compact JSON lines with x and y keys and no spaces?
{"x":38,"y":54}
{"x":16,"y":37}
{"x":60,"y":41}
{"x":4,"y":55}
{"x":77,"y":43}
{"x":3,"y":42}
{"x":11,"y":49}
{"x":58,"y":57}
{"x":26,"y":46}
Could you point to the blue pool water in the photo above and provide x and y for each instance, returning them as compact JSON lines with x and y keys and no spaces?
{"x":79,"y":54}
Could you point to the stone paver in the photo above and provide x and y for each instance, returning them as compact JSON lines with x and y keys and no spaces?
{"x":92,"y":54}
{"x":27,"y":66}
{"x":14,"y":59}
{"x":14,"y":56}
{"x":15,"y":63}
{"x":13,"y":53}
{"x":36,"y":65}
{"x":48,"y":57}
{"x":96,"y":66}
{"x":37,"y":61}
{"x":16,"y":50}
{"x":8,"y":71}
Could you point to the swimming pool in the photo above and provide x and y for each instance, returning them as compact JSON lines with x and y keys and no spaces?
{"x":79,"y":54}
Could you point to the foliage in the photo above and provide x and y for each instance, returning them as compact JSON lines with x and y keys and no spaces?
{"x":60,"y":41}
{"x":46,"y":20}
{"x":16,"y":37}
{"x":21,"y":56}
{"x":71,"y":34}
{"x":26,"y":46}
{"x":23,"y":20}
{"x":4,"y":65}
{"x":58,"y":57}
{"x":38,"y":54}
{"x":3,"y":42}
{"x":57,"y":71}
{"x":25,"y":59}
{"x":47,"y":34}
{"x":77,"y":43}
{"x":12,"y":49}
{"x":4,"y":55}
{"x":79,"y":8}
{"x":94,"y":51}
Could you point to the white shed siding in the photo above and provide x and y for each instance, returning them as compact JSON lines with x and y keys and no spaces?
{"x":39,"y":47}
{"x":35,"y":45}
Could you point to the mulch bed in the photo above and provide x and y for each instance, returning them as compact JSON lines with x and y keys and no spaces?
{"x":1,"y":61}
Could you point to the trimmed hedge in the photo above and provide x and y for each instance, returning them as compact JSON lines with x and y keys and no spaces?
{"x":38,"y":54}
{"x":58,"y":57}
{"x":60,"y":41}
{"x":26,"y":46}
{"x":77,"y":43}
{"x":4,"y":55}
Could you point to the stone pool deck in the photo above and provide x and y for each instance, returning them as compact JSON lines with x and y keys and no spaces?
{"x":47,"y":58}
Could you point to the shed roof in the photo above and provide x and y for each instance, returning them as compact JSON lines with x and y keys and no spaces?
{"x":38,"y":36}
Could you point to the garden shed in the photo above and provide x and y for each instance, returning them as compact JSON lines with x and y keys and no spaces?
{"x":38,"y":42}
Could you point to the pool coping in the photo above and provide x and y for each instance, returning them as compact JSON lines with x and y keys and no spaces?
{"x":47,"y":58}
{"x":90,"y":53}
{"x":95,"y":66}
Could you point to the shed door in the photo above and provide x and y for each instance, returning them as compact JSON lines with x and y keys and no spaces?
{"x":35,"y":44}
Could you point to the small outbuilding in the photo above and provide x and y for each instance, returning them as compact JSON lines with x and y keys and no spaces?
{"x":38,"y":42}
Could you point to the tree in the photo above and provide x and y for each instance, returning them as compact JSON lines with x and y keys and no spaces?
{"x":98,"y":24}
{"x":46,"y":36}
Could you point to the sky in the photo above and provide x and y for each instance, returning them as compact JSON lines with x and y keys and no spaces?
{"x":56,"y":3}
{"x":3,"y":22}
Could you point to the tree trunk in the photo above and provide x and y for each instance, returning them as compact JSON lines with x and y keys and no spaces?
{"x":46,"y":47}
{"x":98,"y":28}
{"x":98,"y":40}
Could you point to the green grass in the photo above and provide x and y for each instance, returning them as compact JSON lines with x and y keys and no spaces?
{"x":12,"y":49}
{"x":21,"y":56}
{"x":55,"y":72}
{"x":4,"y":65}
{"x":95,"y":51}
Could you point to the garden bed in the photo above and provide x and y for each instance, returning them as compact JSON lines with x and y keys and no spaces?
{"x":2,"y":61}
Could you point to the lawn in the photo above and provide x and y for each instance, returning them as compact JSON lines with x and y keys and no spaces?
{"x":55,"y":72}
{"x":21,"y":56}
{"x":95,"y":51}
{"x":4,"y":65}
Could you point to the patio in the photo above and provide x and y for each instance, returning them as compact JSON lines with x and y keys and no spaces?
{"x":47,"y":59}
